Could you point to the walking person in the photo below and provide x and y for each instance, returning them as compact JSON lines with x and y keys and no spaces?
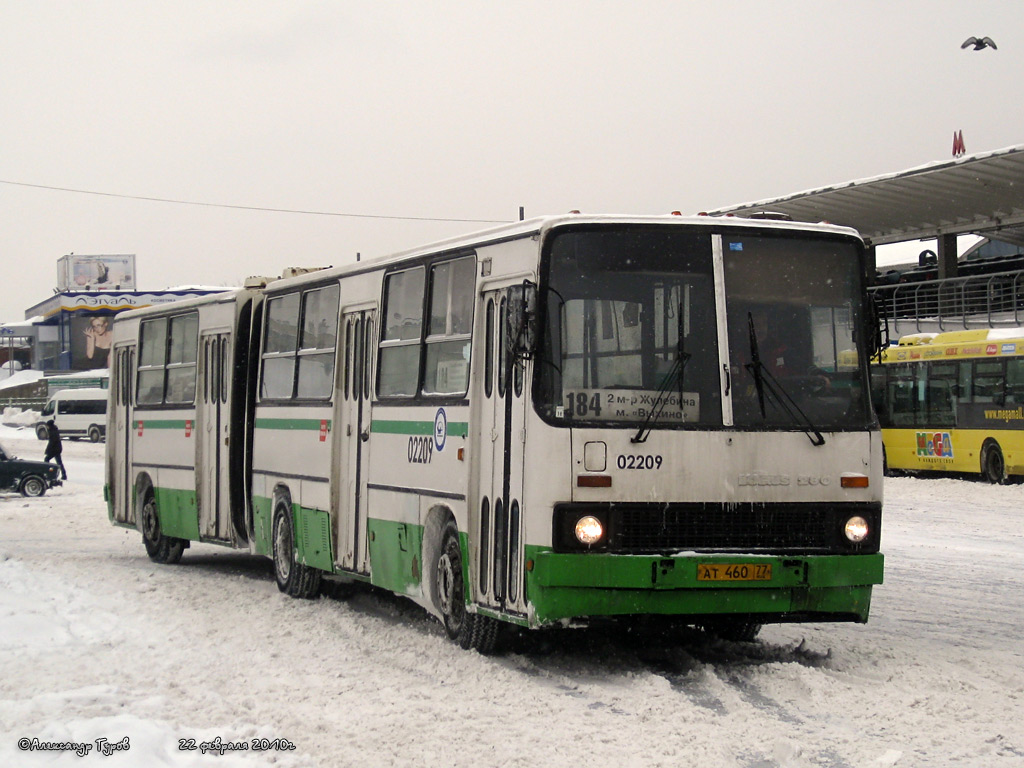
{"x":54,"y":448}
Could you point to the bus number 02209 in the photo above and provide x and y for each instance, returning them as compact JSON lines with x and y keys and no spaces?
{"x":421,"y":449}
{"x":638,"y":461}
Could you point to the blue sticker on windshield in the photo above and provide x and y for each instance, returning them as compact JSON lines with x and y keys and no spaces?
{"x":735,"y":246}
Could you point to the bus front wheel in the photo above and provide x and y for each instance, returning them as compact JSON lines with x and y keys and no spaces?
{"x":160,"y":548}
{"x":992,"y":465}
{"x":734,"y":630}
{"x":293,"y":578}
{"x":469,"y":630}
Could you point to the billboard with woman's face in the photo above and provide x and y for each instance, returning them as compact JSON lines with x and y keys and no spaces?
{"x":90,"y":341}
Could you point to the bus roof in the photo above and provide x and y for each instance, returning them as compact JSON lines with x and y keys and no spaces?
{"x":543,"y":224}
{"x":950,"y":345}
{"x":501,"y":233}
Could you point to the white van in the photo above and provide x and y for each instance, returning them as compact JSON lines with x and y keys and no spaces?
{"x":77,"y":413}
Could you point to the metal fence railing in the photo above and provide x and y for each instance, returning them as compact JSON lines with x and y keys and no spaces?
{"x":956,"y":303}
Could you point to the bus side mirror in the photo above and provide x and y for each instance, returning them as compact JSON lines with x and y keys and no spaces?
{"x":876,"y":326}
{"x":522,"y":320}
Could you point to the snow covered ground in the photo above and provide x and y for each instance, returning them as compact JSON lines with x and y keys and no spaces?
{"x":98,"y":643}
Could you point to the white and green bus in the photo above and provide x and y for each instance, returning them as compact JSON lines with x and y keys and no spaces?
{"x":554,"y":422}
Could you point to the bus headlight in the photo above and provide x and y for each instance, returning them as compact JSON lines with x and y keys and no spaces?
{"x":856,"y":529}
{"x":589,"y":530}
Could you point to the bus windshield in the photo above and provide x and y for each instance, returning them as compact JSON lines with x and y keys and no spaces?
{"x":629,"y":329}
{"x":792,"y":314}
{"x":630,"y":336}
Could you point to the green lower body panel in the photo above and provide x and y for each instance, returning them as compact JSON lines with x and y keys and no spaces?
{"x":262,"y":521}
{"x":179,"y":516}
{"x":313,"y":538}
{"x":311,"y":533}
{"x":395,"y":551}
{"x":810,"y":588}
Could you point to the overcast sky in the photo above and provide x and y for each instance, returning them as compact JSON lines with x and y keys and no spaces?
{"x":455,"y":110}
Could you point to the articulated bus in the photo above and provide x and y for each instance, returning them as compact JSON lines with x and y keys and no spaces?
{"x":551,"y":423}
{"x":953,"y":402}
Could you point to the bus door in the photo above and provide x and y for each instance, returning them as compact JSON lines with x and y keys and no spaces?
{"x":119,"y":444}
{"x":499,"y":571}
{"x":351,"y":436}
{"x":213,"y":430}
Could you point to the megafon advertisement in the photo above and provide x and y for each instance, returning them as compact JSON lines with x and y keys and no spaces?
{"x":96,"y":273}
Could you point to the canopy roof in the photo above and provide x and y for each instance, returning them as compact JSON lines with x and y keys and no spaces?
{"x":980,"y":194}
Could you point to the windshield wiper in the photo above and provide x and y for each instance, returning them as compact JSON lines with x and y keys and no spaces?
{"x":675,"y":373}
{"x":766,"y":383}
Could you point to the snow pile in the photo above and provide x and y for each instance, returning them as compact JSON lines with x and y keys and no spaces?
{"x":16,"y":417}
{"x":21,"y":377}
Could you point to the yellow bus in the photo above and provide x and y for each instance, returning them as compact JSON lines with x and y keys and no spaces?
{"x":953,"y":402}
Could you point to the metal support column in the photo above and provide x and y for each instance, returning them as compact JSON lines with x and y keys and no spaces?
{"x":947,"y":256}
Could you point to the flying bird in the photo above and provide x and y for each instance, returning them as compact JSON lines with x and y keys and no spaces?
{"x":984,"y":42}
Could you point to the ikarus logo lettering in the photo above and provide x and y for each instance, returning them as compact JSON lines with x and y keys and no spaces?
{"x":758,"y":478}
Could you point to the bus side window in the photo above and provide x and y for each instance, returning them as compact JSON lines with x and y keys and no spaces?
{"x":183,"y":352}
{"x":358,"y":353}
{"x":942,"y":382}
{"x":1015,"y":381}
{"x":279,"y":347}
{"x":489,"y":350}
{"x":965,"y":385}
{"x":367,"y":358}
{"x":346,"y":367}
{"x":502,"y":344}
{"x":317,"y":344}
{"x":903,"y":396}
{"x":452,"y":293}
{"x":398,"y":369}
{"x":989,"y":376}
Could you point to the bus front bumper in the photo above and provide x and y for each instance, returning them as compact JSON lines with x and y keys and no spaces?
{"x":792,"y":588}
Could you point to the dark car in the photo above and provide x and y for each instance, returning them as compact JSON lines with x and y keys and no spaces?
{"x":29,"y":478}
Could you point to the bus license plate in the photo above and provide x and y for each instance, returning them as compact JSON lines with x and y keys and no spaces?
{"x":734,"y":572}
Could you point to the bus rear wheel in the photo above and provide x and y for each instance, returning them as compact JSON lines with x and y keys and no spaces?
{"x":992,"y":465}
{"x":160,"y":548}
{"x":469,"y":630}
{"x":293,"y":578}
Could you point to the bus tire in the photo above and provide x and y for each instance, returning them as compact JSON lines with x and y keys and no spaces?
{"x":736,"y":631}
{"x":469,"y":630}
{"x":293,"y":578}
{"x":481,"y":634}
{"x":160,"y":548}
{"x":95,"y":434}
{"x":993,"y":467}
{"x":32,"y":485}
{"x":42,"y":432}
